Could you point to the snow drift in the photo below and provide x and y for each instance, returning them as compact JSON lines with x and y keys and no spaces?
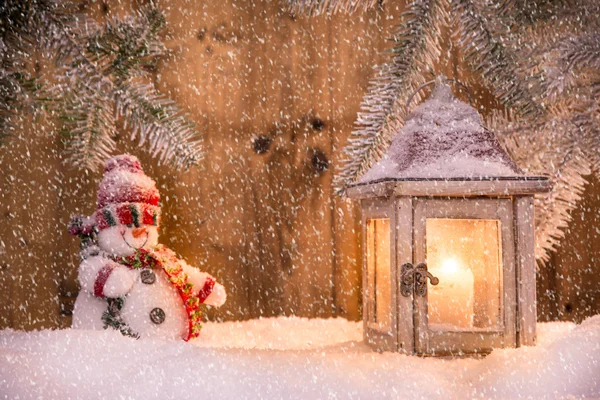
{"x":289,"y":358}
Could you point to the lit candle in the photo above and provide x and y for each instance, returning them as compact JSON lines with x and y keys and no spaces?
{"x":451,"y":301}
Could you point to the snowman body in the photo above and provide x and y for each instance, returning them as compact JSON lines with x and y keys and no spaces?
{"x":152,"y":307}
{"x":140,"y":309}
{"x":127,"y":280}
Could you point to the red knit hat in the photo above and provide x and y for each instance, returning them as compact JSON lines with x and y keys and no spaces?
{"x":126,"y":195}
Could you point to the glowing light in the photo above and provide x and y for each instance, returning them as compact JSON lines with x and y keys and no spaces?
{"x":450,"y":266}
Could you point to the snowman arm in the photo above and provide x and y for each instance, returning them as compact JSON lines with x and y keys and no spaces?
{"x":103,"y":277}
{"x":208,"y":290}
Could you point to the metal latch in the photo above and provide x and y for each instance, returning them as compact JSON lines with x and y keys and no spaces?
{"x":414,"y":278}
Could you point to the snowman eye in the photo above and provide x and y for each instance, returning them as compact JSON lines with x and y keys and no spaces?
{"x":129,"y":225}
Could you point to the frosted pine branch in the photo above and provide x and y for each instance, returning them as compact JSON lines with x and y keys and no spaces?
{"x":416,"y":48}
{"x":530,"y":15}
{"x":136,"y":38}
{"x":99,"y":72}
{"x":111,"y":62}
{"x":552,"y":148}
{"x":22,"y":25}
{"x":496,"y":63}
{"x":160,"y":122}
{"x":92,"y":131}
{"x":319,"y":7}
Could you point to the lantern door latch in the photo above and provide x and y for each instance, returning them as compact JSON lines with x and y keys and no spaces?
{"x":414,"y":278}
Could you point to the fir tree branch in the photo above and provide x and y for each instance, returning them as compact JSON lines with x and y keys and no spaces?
{"x":553,"y":209}
{"x":23,"y":24}
{"x":572,"y":68}
{"x":582,"y":51}
{"x":98,"y":69}
{"x":530,"y":15}
{"x":552,"y":148}
{"x":416,"y":47}
{"x":496,"y":63}
{"x":91,"y":131}
{"x":158,"y":120}
{"x":124,"y":47}
{"x":171,"y":137}
{"x":319,"y":7}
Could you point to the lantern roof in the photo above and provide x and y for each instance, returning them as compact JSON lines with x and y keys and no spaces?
{"x":444,"y":140}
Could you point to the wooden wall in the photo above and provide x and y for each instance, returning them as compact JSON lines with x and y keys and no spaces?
{"x":275,"y":96}
{"x":569,"y":288}
{"x":267,"y":225}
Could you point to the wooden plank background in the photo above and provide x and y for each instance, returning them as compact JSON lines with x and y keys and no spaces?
{"x":266,"y":225}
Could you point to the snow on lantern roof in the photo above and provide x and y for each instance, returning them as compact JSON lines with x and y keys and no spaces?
{"x":443,"y":139}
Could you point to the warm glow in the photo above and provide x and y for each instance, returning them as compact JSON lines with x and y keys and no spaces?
{"x":450,"y":266}
{"x":454,"y":295}
{"x":465,"y":255}
{"x":379,"y":287}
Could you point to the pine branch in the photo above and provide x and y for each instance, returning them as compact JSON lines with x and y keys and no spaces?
{"x":582,"y":51}
{"x":572,"y":67}
{"x":98,"y":73}
{"x":551,"y":148}
{"x":562,"y":144}
{"x":329,"y":7}
{"x":535,"y":30}
{"x":554,"y":209}
{"x":416,"y":47}
{"x":91,"y":131}
{"x":22,"y":25}
{"x":158,"y":120}
{"x":153,"y":118}
{"x":555,"y":14}
{"x":124,"y":47}
{"x":588,"y":129}
{"x":108,"y":68}
{"x":21,"y":95}
{"x":496,"y":63}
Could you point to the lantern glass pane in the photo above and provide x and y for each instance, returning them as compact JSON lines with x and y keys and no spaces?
{"x":379,"y":289}
{"x":466,"y":256}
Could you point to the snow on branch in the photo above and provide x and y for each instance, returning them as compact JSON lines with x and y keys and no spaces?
{"x":111,"y":62}
{"x":101,"y":74}
{"x":319,"y":7}
{"x":552,"y":148}
{"x":416,"y":48}
{"x":529,"y":14}
{"x":496,"y":63}
{"x":135,"y":37}
{"x":540,"y":59}
{"x":159,"y":121}
{"x":92,"y":128}
{"x":22,"y":25}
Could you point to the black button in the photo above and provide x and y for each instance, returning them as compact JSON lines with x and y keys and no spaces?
{"x":157,"y":315}
{"x":148,"y":277}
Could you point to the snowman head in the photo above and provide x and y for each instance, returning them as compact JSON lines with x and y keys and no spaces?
{"x":127,"y":216}
{"x":124,"y":240}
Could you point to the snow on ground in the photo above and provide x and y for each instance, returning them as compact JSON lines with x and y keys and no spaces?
{"x":284,"y":333}
{"x":291,"y":358}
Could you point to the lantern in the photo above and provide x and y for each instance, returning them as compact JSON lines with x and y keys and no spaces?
{"x":448,"y":237}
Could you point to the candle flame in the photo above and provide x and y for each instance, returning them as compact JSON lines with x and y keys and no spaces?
{"x":450,"y":266}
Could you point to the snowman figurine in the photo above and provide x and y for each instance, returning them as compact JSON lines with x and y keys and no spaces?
{"x":128,"y":281}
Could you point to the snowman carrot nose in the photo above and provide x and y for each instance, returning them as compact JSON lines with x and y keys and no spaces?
{"x":137,"y":232}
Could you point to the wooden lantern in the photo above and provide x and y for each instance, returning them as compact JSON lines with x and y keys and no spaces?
{"x":448,"y":238}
